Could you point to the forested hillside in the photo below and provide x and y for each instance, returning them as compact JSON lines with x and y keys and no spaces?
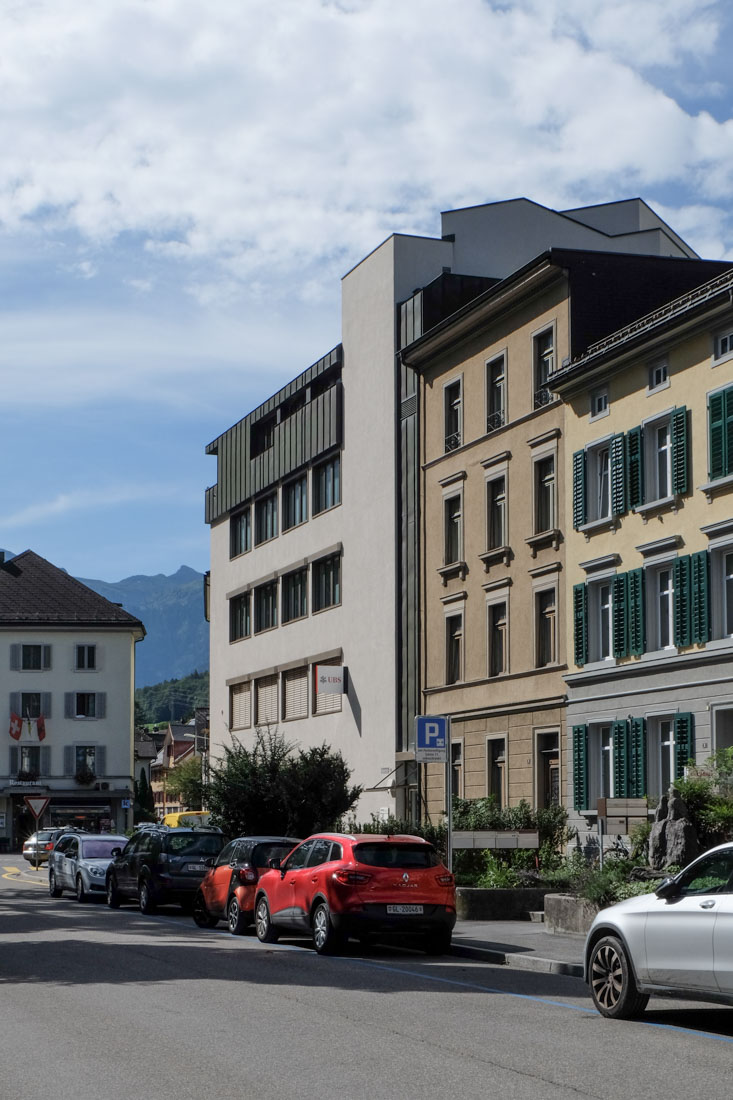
{"x":172,"y":700}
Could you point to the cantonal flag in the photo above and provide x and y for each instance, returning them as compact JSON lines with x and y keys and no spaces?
{"x":41,"y":727}
{"x":16,"y":726}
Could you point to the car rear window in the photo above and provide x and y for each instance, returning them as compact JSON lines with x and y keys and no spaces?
{"x":199,"y":844}
{"x":396,"y":855}
{"x":262,"y":853}
{"x":100,"y":849}
{"x":45,"y":834}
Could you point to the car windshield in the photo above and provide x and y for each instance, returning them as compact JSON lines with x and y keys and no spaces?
{"x":199,"y":844}
{"x":100,"y":848}
{"x":396,"y":855}
{"x":263,"y":853}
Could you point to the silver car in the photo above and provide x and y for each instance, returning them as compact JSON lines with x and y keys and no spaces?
{"x":79,"y":863}
{"x":676,"y":940}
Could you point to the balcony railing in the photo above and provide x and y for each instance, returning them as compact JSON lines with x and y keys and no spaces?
{"x":543,"y":396}
{"x":452,"y":442}
{"x":495,"y":420}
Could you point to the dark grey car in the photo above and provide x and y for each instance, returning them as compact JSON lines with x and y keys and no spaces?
{"x":162,"y":866}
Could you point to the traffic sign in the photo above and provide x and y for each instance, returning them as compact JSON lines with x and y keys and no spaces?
{"x":432,"y":734}
{"x":36,"y":805}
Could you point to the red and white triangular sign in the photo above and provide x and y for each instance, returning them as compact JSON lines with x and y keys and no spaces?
{"x":36,"y":805}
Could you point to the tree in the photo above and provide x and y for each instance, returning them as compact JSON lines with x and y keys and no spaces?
{"x":272,"y":789}
{"x":186,"y":783}
{"x":144,"y":804}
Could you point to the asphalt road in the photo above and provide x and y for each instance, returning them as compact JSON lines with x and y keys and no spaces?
{"x":105,"y":1005}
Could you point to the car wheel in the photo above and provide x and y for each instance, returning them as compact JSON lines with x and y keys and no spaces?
{"x":146,"y":899}
{"x":53,"y":887}
{"x":235,"y":918}
{"x":438,"y":943}
{"x":201,"y":915}
{"x":326,"y":939}
{"x":113,"y":894}
{"x":81,"y":894}
{"x":263,"y":925}
{"x":612,"y":983}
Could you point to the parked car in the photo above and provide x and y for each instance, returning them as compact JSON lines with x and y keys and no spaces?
{"x":227,"y":891}
{"x":38,"y":846}
{"x":79,"y":862}
{"x":675,"y":940}
{"x":370,"y":886}
{"x":162,"y":866}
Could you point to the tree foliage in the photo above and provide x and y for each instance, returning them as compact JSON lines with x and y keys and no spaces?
{"x":172,"y":700}
{"x":185,"y":782}
{"x":270,"y":788}
{"x":144,"y":802}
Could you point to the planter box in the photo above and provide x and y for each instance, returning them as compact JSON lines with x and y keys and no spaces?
{"x":473,"y":903}
{"x":566,"y":913}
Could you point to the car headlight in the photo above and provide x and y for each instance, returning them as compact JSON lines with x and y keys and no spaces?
{"x":98,"y":872}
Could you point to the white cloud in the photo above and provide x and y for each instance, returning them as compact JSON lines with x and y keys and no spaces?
{"x":86,"y":500}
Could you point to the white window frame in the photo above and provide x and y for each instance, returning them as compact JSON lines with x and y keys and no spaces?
{"x":503,"y":510}
{"x":243,"y":708}
{"x":496,"y":600}
{"x":453,"y":522}
{"x":541,"y":392}
{"x":459,"y":636}
{"x":652,"y":486}
{"x":659,"y":606}
{"x":661,"y":753}
{"x":598,"y":466}
{"x":658,"y":375}
{"x":600,"y":627}
{"x":722,"y":346}
{"x":599,"y":403}
{"x":496,"y":417}
{"x":453,"y":410}
{"x":492,"y":740}
{"x":539,"y":490}
{"x":540,"y":619}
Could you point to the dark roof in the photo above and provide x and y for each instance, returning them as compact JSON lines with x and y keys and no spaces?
{"x":35,"y":592}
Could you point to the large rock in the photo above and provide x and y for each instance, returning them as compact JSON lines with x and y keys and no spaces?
{"x":673,"y":839}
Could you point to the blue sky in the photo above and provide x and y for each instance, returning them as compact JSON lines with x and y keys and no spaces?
{"x":182,"y":187}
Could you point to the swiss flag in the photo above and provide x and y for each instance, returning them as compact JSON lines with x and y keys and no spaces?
{"x":41,"y":727}
{"x":16,"y":726}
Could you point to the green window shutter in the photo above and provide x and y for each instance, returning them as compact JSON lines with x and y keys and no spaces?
{"x":635,"y":467}
{"x":636,"y":615}
{"x":680,"y":462}
{"x":684,"y":736}
{"x":618,"y":475}
{"x":700,"y":577}
{"x":720,"y":410}
{"x":620,"y":613}
{"x":682,"y":601}
{"x":580,"y":623}
{"x":637,"y":758}
{"x":620,"y":734}
{"x":579,"y":511}
{"x":580,"y":767}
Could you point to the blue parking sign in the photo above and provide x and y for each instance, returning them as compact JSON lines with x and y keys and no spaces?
{"x":432,"y":734}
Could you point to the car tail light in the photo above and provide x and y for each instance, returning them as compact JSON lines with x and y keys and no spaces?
{"x":444,"y":880}
{"x":247,"y":874}
{"x":49,"y":847}
{"x":351,"y":878}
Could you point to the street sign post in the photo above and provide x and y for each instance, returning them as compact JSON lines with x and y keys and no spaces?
{"x":37,"y":806}
{"x":432,"y":745}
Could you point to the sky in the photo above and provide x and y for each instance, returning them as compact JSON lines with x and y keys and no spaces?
{"x":182,"y":187}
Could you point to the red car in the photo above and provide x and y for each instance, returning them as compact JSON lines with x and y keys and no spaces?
{"x":227,"y":891}
{"x":370,"y":886}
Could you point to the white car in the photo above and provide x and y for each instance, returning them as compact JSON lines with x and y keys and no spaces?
{"x":79,"y":863}
{"x":677,"y":940}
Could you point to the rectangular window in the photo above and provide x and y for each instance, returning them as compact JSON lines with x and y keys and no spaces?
{"x":240,"y":706}
{"x":240,"y":625}
{"x":599,"y":481}
{"x":544,"y":490}
{"x":327,"y":582}
{"x":546,"y":627}
{"x":548,"y":769}
{"x":659,"y":582}
{"x":543,"y":355}
{"x":327,"y":485}
{"x":658,"y":375}
{"x":295,"y":693}
{"x":724,"y":344}
{"x":496,"y":770}
{"x":266,"y":700}
{"x":495,"y":394}
{"x":453,"y":416}
{"x":86,"y":704}
{"x":295,"y":502}
{"x":240,"y":533}
{"x":497,"y":613}
{"x":720,"y":433}
{"x":496,"y":533}
{"x":265,"y":607}
{"x":453,"y":530}
{"x":453,"y":649}
{"x":30,"y":759}
{"x":86,"y":657}
{"x":265,"y":519}
{"x":325,"y":702}
{"x":295,"y":595}
{"x":600,"y":629}
{"x":34,"y":658}
{"x":598,"y":403}
{"x":30,"y":704}
{"x":85,"y":758}
{"x":456,"y":768}
{"x":661,"y":749}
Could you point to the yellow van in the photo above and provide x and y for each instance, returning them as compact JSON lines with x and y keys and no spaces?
{"x":187,"y":819}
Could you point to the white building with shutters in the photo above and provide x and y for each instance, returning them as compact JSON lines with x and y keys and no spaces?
{"x":67,"y":668}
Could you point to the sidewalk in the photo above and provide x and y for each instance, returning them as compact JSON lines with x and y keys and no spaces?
{"x":521,"y":944}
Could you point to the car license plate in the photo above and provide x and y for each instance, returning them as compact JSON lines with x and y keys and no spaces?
{"x":195,"y":866}
{"x":405,"y":909}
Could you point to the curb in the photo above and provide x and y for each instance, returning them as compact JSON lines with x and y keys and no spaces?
{"x":518,"y":961}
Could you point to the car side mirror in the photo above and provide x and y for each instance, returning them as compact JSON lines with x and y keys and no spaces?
{"x":274,"y":864}
{"x":667,"y":888}
{"x":209,"y":862}
{"x":116,"y":852}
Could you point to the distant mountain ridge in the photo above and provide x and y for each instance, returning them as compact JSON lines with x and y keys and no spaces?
{"x":172,"y":612}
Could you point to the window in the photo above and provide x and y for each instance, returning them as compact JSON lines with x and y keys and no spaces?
{"x":453,"y":415}
{"x":599,"y":481}
{"x":86,"y":704}
{"x":600,"y":606}
{"x":295,"y":693}
{"x":497,"y":626}
{"x":30,"y":704}
{"x":262,"y":436}
{"x":240,"y":625}
{"x":265,"y":607}
{"x":543,"y":355}
{"x":266,"y":700}
{"x":660,"y":606}
{"x":265,"y":519}
{"x":658,"y":375}
{"x":327,"y":485}
{"x":598,"y":403}
{"x":495,"y":394}
{"x":327,"y":582}
{"x":295,"y":595}
{"x":30,"y":759}
{"x":545,"y":627}
{"x":720,"y":433}
{"x":86,"y":658}
{"x":721,"y":585}
{"x":456,"y":768}
{"x":240,"y":703}
{"x":661,"y":749}
{"x":240,"y":533}
{"x":496,"y":770}
{"x":453,"y":649}
{"x":295,"y":502}
{"x":325,"y":702}
{"x":722,"y":729}
{"x":544,"y":494}
{"x":496,"y":528}
{"x":35,"y":657}
{"x":723,"y":344}
{"x":453,"y":530}
{"x":85,"y":758}
{"x":548,"y":770}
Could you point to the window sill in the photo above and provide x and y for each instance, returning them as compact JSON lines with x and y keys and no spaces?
{"x":662,"y":503}
{"x":327,"y":607}
{"x":455,"y":569}
{"x":606,"y":523}
{"x":499,"y":553}
{"x":719,"y":485}
{"x":544,"y":538}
